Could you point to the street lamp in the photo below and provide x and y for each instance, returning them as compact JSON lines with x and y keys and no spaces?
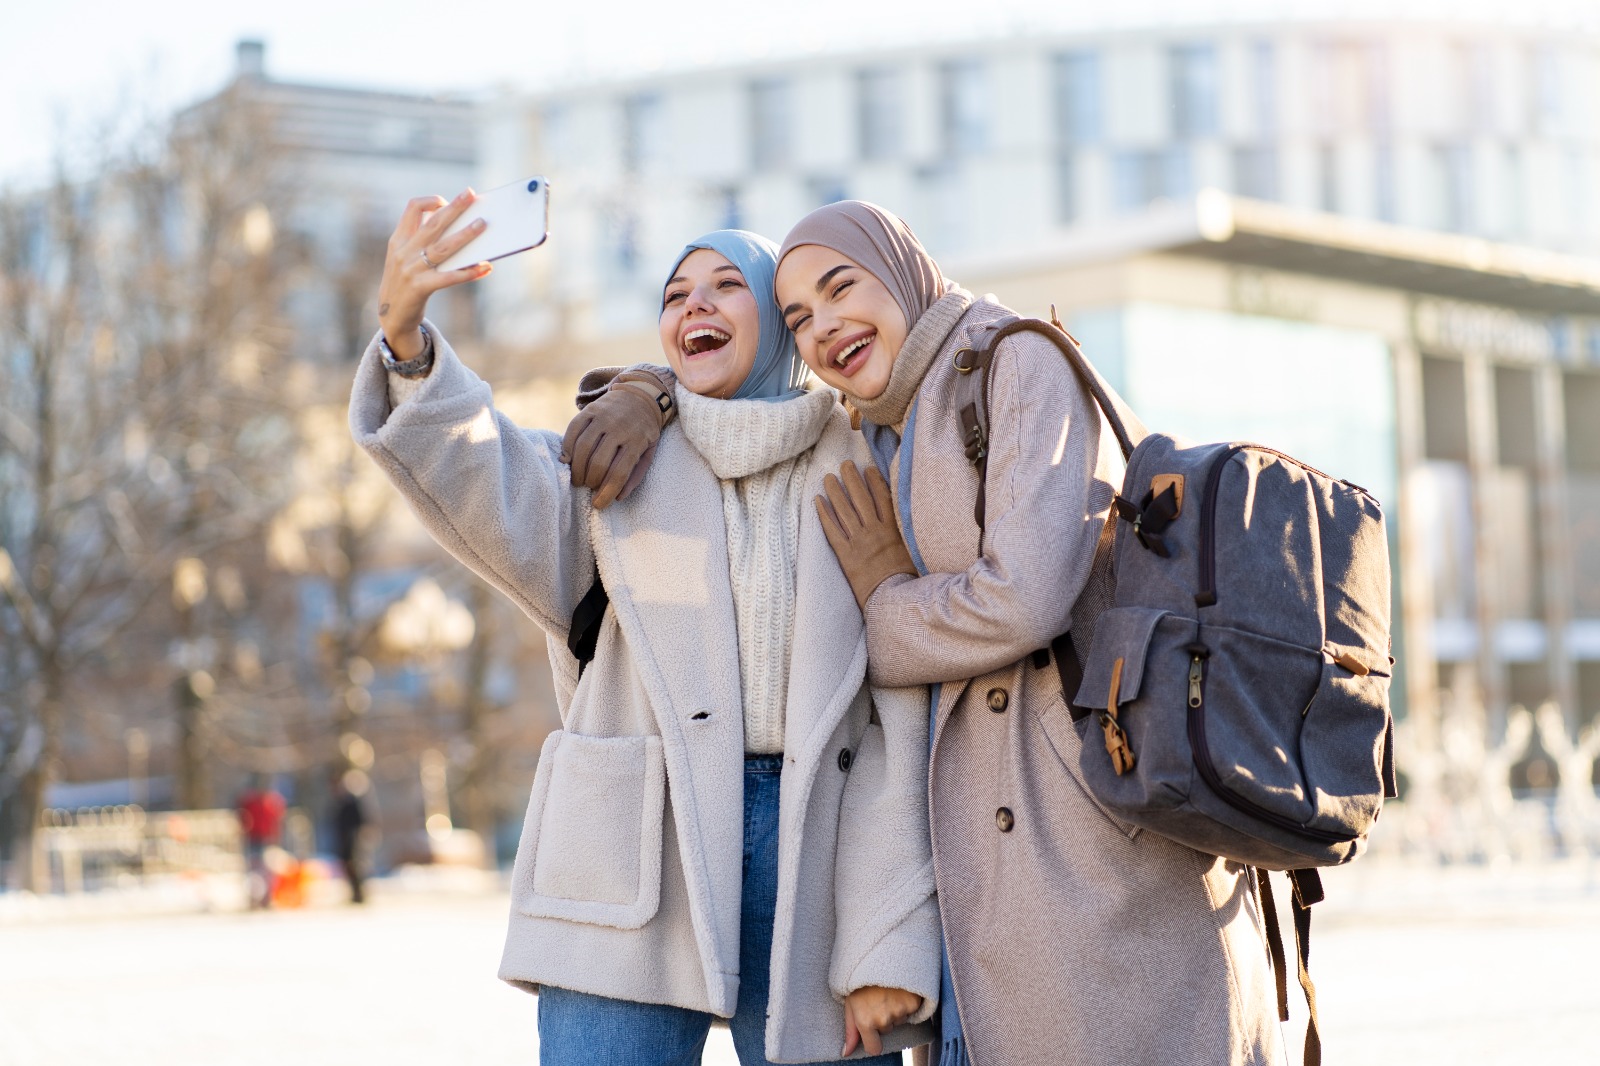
{"x":426,"y":624}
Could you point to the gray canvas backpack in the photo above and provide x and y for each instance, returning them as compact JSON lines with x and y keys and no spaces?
{"x":1235,"y":695}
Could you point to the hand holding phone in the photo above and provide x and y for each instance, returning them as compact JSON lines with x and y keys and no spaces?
{"x":516,"y":217}
{"x":463,"y":235}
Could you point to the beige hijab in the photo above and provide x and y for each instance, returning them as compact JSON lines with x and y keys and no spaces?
{"x":885,"y":247}
{"x":881,"y":244}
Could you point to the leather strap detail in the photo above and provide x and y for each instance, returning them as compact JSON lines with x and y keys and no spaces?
{"x":1117,"y":746}
{"x":665,"y":406}
{"x":1307,"y":886}
{"x":1269,"y":919}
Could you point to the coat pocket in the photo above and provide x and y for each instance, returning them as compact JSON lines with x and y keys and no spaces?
{"x":1058,"y":729}
{"x":591,"y":843}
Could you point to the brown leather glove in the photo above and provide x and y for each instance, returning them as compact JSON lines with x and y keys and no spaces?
{"x":858,"y":519}
{"x":612,"y":440}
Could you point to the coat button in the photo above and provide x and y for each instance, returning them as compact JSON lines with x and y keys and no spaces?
{"x":998,"y":698}
{"x":1004,"y":819}
{"x":845,"y":759}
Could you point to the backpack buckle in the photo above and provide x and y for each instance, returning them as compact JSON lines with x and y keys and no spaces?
{"x":1117,"y":745}
{"x":967,"y":365}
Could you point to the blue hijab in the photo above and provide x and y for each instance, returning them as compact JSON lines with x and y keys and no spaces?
{"x":777,"y":373}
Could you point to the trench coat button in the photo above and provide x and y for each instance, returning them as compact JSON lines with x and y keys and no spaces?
{"x":845,"y":759}
{"x":1004,"y":819}
{"x":998,"y":698}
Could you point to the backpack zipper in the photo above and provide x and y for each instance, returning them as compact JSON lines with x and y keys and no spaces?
{"x":1207,"y":595}
{"x":1201,"y":749}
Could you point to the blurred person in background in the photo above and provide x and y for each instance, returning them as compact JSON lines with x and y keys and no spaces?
{"x":731,"y":823}
{"x":348,"y":815}
{"x":260,"y":808}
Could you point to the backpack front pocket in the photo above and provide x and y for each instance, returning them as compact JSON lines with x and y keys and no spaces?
{"x":591,"y":844}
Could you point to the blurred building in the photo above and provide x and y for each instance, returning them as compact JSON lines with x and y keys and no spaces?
{"x":1458,"y":380}
{"x":1376,"y":246}
{"x":1007,"y":143}
{"x":357,"y":156}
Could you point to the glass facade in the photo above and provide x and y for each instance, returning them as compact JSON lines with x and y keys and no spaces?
{"x":880,"y":117}
{"x":771,"y":124}
{"x":1193,"y":86}
{"x":964,"y":106}
{"x":643,"y":133}
{"x":1076,"y":90}
{"x":1217,"y":375}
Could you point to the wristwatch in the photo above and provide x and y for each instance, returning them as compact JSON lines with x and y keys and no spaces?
{"x":411,"y":368}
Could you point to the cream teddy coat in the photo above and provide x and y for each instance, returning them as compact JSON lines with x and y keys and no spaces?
{"x":628,"y":876}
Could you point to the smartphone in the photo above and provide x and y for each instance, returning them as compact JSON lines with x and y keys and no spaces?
{"x":518,"y":217}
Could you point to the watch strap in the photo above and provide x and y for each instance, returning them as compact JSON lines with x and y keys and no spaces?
{"x":409,"y":368}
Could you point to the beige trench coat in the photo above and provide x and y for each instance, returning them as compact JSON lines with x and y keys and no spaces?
{"x":1073,"y":938}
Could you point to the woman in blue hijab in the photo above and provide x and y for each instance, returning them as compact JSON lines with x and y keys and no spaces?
{"x":681,"y":863}
{"x":724,"y":338}
{"x":777,"y":372}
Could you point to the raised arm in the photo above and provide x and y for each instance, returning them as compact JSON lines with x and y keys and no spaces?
{"x":493,"y":494}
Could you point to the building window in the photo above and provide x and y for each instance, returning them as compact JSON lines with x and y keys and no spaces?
{"x":771,"y":124}
{"x":621,"y":243}
{"x":1264,"y":88}
{"x":1077,"y":98}
{"x":1579,"y":193}
{"x":644,"y":133}
{"x":1255,"y":171}
{"x":1544,"y":68}
{"x":1067,"y":206}
{"x":1477,"y":75}
{"x":557,"y":136}
{"x":1142,"y":177}
{"x":1327,"y":177}
{"x":1515,"y":216}
{"x":1383,"y":197}
{"x":964,"y":107}
{"x":1323,"y":88}
{"x":1379,"y":114}
{"x":1350,"y":88}
{"x":1452,"y":191}
{"x":880,"y":106}
{"x":1192,"y":90}
{"x":1177,"y":172}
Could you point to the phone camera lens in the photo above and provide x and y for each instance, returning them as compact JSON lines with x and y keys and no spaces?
{"x":533,"y":186}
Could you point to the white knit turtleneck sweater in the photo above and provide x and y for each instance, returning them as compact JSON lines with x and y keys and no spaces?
{"x":761,"y":453}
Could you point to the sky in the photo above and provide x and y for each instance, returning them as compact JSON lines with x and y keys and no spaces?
{"x":66,"y":65}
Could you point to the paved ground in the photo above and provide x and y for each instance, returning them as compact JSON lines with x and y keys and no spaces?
{"x":1415,"y":966}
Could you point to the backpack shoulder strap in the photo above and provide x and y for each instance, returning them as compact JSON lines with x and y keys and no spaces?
{"x":585,"y":628}
{"x":976,"y":365}
{"x":972,"y":404}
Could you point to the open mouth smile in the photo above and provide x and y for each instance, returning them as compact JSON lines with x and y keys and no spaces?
{"x":703,"y":340}
{"x":850,"y":353}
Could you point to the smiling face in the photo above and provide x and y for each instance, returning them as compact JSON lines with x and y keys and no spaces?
{"x":845,"y":322}
{"x":710,"y":324}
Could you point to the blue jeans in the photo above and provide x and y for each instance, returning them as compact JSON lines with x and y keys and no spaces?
{"x":578,"y":1029}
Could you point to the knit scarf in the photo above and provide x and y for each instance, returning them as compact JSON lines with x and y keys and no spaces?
{"x":916,"y":355}
{"x":761,"y":454}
